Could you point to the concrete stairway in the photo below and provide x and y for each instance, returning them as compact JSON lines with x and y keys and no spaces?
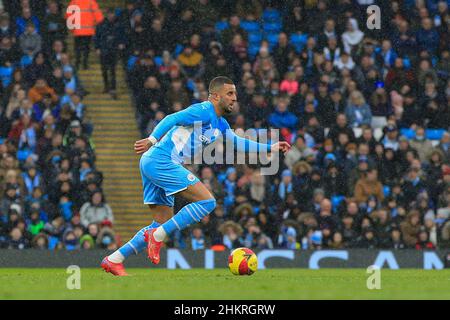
{"x":115,"y":131}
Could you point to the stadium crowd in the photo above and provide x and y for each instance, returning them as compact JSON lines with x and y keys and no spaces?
{"x":367,"y":112}
{"x":51,"y":194}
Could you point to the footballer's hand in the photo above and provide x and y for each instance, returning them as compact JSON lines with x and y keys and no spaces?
{"x":142,"y":145}
{"x":282,"y":146}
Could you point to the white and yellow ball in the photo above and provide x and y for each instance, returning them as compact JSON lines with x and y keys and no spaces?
{"x":242,"y":261}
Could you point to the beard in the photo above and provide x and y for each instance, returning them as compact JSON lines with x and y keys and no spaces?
{"x":226,"y":108}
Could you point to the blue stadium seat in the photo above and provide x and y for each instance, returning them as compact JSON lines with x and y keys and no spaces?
{"x":178,"y":50}
{"x":131,"y":62}
{"x":272,"y":27}
{"x":221,"y":177}
{"x":434,"y":134}
{"x":336,"y":201}
{"x":298,"y":41}
{"x":22,"y":155}
{"x":408,"y":133}
{"x":271,"y":15}
{"x":6,"y":75}
{"x":272,"y":38}
{"x":255,"y":38}
{"x":253,"y":50}
{"x":2,"y":140}
{"x":406,"y":63}
{"x":158,"y":61}
{"x":386,"y":191}
{"x":250,"y":26}
{"x":221,"y":25}
{"x":25,"y":61}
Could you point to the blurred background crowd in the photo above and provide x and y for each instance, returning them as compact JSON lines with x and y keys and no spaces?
{"x":51,"y":194}
{"x":367,"y":112}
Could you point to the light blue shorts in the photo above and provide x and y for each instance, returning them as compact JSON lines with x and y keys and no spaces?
{"x":162,"y":178}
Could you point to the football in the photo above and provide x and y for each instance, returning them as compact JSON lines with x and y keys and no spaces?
{"x":242,"y":262}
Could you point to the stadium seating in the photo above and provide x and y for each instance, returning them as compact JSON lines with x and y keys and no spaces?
{"x":272,"y":27}
{"x":298,"y":41}
{"x":357,"y":132}
{"x":272,"y":38}
{"x":253,"y":50}
{"x":220,"y":26}
{"x":336,"y":201}
{"x":255,"y":38}
{"x":378,"y":133}
{"x":378,"y":122}
{"x":271,"y":15}
{"x":434,"y":134}
{"x":408,"y":133}
{"x":386,"y":191}
{"x":250,"y":26}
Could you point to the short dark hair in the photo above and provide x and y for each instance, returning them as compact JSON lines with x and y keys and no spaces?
{"x":218,"y":82}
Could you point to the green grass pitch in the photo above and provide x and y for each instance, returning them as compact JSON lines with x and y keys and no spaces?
{"x":221,"y":284}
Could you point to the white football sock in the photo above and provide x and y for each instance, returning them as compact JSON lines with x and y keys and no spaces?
{"x":159,"y":234}
{"x":116,"y":257}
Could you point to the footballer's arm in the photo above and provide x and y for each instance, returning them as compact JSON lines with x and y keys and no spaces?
{"x":184,"y":117}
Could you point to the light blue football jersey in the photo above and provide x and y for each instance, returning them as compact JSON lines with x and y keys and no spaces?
{"x":189,"y":131}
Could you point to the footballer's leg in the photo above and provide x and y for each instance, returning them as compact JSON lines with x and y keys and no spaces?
{"x":114,"y":262}
{"x":160,"y":206}
{"x":201,"y":204}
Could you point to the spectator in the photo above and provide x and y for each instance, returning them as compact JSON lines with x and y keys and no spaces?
{"x":357,"y":111}
{"x":54,"y":27}
{"x":106,"y":238}
{"x":26,"y":18}
{"x":285,"y":187}
{"x":91,"y":16}
{"x":369,"y":186}
{"x":95,"y":211}
{"x":421,"y":144}
{"x":17,"y":240}
{"x":109,"y":40}
{"x":197,"y":239}
{"x":39,"y":90}
{"x":367,"y":240}
{"x":352,"y":37}
{"x":6,"y":28}
{"x":30,"y":40}
{"x":191,"y":62}
{"x":233,"y":28}
{"x":410,"y":228}
{"x":423,"y":241}
{"x":298,"y":151}
{"x":281,"y":117}
{"x":427,"y":37}
{"x":40,"y":242}
{"x":87,"y":242}
{"x":231,"y":232}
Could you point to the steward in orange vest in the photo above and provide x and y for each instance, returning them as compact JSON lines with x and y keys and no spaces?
{"x":90,"y":17}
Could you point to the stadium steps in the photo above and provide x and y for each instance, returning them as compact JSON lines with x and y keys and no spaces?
{"x":115,"y":131}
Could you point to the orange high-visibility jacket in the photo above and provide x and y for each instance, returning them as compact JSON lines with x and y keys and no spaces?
{"x":90,"y":16}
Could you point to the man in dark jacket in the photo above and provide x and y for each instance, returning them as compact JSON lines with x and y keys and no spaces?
{"x":234,"y":28}
{"x":341,"y":126}
{"x":413,"y":185}
{"x":428,"y":37}
{"x":282,"y":52}
{"x":108,"y":40}
{"x":53,"y":26}
{"x":6,"y":28}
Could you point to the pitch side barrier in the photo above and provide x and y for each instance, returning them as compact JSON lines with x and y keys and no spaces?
{"x":209,"y":259}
